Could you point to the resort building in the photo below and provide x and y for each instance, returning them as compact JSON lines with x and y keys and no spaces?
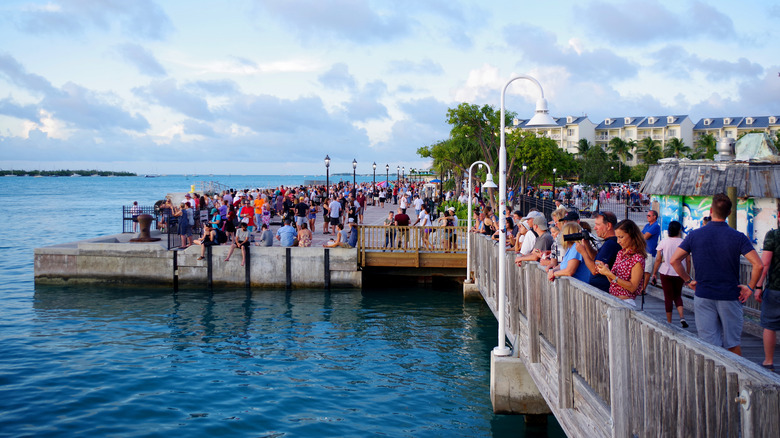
{"x":571,"y":129}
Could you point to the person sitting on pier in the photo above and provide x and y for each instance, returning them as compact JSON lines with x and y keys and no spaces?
{"x":209,"y":238}
{"x":304,"y":235}
{"x":572,"y":265}
{"x":287,"y":234}
{"x":266,"y":236}
{"x":338,"y":241}
{"x":604,"y":225}
{"x":241,"y":241}
{"x":628,"y":272}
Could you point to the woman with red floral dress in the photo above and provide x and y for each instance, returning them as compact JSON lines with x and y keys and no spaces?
{"x":627,"y":272}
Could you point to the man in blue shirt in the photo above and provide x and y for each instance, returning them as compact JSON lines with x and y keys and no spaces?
{"x":352,"y":236}
{"x":651,"y":231}
{"x":604,"y":226}
{"x":286,"y":235}
{"x":719,"y":296}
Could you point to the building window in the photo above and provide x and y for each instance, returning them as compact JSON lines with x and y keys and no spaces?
{"x":673,"y":133}
{"x":570,"y":132}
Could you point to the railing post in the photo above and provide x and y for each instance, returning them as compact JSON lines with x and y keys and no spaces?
{"x":619,"y":370}
{"x":565,"y":346}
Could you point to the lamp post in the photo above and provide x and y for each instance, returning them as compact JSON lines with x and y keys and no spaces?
{"x":540,"y":119}
{"x":327,"y":174}
{"x":354,"y":166}
{"x":489,"y":184}
{"x":554,"y":172}
{"x":398,"y":173}
{"x":403,"y":173}
{"x":387,"y":175}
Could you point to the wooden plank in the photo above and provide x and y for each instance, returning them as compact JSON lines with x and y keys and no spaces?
{"x":564,"y":346}
{"x":734,"y":409}
{"x":700,"y":400}
{"x":652,"y":386}
{"x":671,"y":390}
{"x":710,"y":405}
{"x":721,"y":402}
{"x":619,"y":377}
{"x":533,"y":317}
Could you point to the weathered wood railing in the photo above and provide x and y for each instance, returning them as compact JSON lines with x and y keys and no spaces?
{"x":411,"y":241}
{"x":607,"y":370}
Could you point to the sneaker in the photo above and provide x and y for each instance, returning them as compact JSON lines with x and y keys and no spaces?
{"x":683,"y":323}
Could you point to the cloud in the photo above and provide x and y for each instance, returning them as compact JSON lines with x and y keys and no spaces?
{"x":195,"y":127}
{"x":87,"y":109}
{"x":222,"y":87}
{"x":677,"y":62}
{"x":338,"y":78}
{"x":426,"y":111}
{"x":426,"y":66}
{"x":137,"y":18}
{"x":16,"y":74}
{"x":353,"y":20}
{"x":142,"y":59}
{"x":167,"y":93}
{"x":26,"y":112}
{"x":643,"y":22}
{"x":365,"y":105}
{"x":541,"y":46}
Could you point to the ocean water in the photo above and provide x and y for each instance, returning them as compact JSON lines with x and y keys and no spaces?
{"x":114,"y":361}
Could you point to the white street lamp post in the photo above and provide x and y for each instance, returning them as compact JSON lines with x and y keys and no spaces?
{"x":540,"y":119}
{"x":488,"y":184}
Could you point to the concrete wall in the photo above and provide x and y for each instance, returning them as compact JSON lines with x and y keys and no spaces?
{"x":151,"y":264}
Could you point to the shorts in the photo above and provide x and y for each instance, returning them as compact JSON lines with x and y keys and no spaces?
{"x":334,"y":221}
{"x":649,"y":262}
{"x":719,"y":322}
{"x":300,"y":220}
{"x":770,"y":309}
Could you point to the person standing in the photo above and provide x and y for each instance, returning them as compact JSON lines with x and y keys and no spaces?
{"x":671,"y":282}
{"x":719,"y":296}
{"x":402,"y":236}
{"x":767,"y":293}
{"x":625,"y":277}
{"x":651,"y":231}
{"x":334,"y":212}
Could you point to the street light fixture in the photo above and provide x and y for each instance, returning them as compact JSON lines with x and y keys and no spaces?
{"x":327,"y":174}
{"x":489,"y":184}
{"x":540,"y":119}
{"x":403,"y":173}
{"x":354,"y":166}
{"x":554,"y":172}
{"x":387,"y":176}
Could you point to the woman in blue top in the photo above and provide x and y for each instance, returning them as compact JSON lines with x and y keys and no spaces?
{"x":572,"y":264}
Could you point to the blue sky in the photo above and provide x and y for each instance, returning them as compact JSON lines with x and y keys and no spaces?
{"x":271,"y":87}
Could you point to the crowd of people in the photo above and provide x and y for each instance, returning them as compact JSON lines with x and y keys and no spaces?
{"x":621,"y":259}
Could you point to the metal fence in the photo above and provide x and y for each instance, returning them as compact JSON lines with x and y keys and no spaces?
{"x":622,"y":208}
{"x":131,"y":213}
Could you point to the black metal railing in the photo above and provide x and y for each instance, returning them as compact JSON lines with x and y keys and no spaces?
{"x":131,"y":213}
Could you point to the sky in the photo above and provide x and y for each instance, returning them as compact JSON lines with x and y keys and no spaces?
{"x":271,"y":86}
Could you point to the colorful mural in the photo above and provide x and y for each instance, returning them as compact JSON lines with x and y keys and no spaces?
{"x":755,"y":217}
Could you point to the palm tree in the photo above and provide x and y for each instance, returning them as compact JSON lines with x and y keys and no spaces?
{"x":621,"y":150}
{"x":583,"y":146}
{"x":649,"y":150}
{"x":707,"y":146}
{"x":676,"y":147}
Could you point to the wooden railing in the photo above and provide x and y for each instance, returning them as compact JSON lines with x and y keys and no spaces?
{"x":410,"y":240}
{"x":607,"y":370}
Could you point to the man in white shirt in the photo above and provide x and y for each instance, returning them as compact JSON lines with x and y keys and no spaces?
{"x":334,"y":211}
{"x":418,"y":203}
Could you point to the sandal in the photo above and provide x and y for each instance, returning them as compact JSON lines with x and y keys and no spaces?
{"x":200,"y":258}
{"x":769,"y":367}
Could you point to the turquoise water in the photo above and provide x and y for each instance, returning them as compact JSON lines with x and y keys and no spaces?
{"x":110,"y":361}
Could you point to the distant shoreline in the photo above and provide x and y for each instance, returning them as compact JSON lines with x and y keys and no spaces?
{"x":66,"y":172}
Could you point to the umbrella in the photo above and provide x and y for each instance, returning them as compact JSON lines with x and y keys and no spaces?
{"x":436,"y":181}
{"x":382,"y":184}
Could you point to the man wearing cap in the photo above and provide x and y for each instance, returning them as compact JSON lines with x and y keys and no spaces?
{"x":572,"y":216}
{"x":542,"y":244}
{"x":454,"y":218}
{"x":604,"y":226}
{"x":529,"y":235}
{"x":352,"y":234}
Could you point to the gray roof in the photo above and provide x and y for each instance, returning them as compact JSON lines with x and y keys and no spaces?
{"x":705,"y":178}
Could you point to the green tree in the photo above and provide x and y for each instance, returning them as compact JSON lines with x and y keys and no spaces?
{"x":706,"y":146}
{"x":649,"y":150}
{"x":583,"y":146}
{"x":593,"y":166}
{"x":676,"y":147}
{"x":638,"y":172}
{"x":777,"y":139}
{"x":621,"y":150}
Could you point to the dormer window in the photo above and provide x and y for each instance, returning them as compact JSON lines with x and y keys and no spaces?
{"x":569,"y":119}
{"x":627,"y":120}
{"x":772,"y":119}
{"x":749,"y":120}
{"x":707,"y":122}
{"x":607,"y":121}
{"x":651,"y":120}
{"x":670,"y":119}
{"x":727,"y":121}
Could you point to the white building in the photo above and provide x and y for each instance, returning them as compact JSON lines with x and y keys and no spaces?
{"x":567,"y":134}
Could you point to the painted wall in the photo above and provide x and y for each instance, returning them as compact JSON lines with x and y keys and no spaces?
{"x":755,"y":216}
